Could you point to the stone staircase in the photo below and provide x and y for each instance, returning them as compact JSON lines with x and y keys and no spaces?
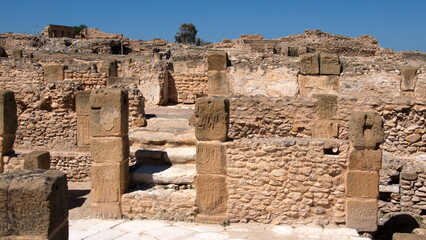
{"x":165,"y":149}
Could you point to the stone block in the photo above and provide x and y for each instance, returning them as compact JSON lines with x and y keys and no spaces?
{"x":217,"y":61}
{"x":218,"y":83}
{"x":309,"y":64}
{"x":369,"y":160}
{"x":408,"y":236}
{"x":53,"y":73}
{"x":6,"y":143}
{"x":109,"y":181}
{"x":82,"y":105}
{"x":37,"y":160}
{"x":366,"y":130}
{"x":312,"y":85}
{"x":409,"y":78}
{"x":109,"y":149}
{"x":362,"y":183}
{"x":212,"y":195}
{"x":329,"y":64}
{"x":211,"y":158}
{"x":33,"y":205}
{"x":211,"y":118}
{"x":211,"y":219}
{"x":8,"y":113}
{"x":109,"y":112}
{"x":17,"y":53}
{"x":361,"y":214}
{"x":109,"y":210}
{"x":83,"y":131}
{"x":325,"y":129}
{"x":326,"y":106}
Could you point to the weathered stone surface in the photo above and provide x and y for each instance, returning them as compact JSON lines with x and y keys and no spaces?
{"x":212,"y":194}
{"x":327,"y":105}
{"x":211,"y":219}
{"x":309,"y":64}
{"x":329,"y":64}
{"x":83,"y":131}
{"x":8,"y":111}
{"x":37,"y":160}
{"x":109,"y":149}
{"x":6,"y":143}
{"x":17,"y":53}
{"x":218,"y":83}
{"x":408,"y":174}
{"x":407,"y":236}
{"x":212,"y":118}
{"x":53,"y":73}
{"x":2,"y":52}
{"x":362,"y":183}
{"x":34,"y":205}
{"x":413,"y":138}
{"x":366,"y":130}
{"x":109,"y":112}
{"x":310,"y":85}
{"x":361,"y":214}
{"x":325,"y":129}
{"x":409,"y":78}
{"x":109,"y":181}
{"x":211,"y":158}
{"x":216,"y":61}
{"x":82,"y":105}
{"x":370,"y":160}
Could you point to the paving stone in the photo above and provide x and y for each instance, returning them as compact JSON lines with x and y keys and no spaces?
{"x":105,"y":225}
{"x":200,"y":227}
{"x":106,"y":235}
{"x":283,"y":230}
{"x":308,"y":230}
{"x":147,"y":237}
{"x":85,"y":224}
{"x":169,"y":233}
{"x":78,"y":235}
{"x":341,"y":231}
{"x":138,"y":226}
{"x":130,"y":236}
{"x":211,"y":236}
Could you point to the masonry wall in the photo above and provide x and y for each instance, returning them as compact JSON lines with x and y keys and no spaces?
{"x":286,"y":181}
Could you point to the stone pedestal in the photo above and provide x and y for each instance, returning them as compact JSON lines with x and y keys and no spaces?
{"x":109,"y":149}
{"x":8,"y":123}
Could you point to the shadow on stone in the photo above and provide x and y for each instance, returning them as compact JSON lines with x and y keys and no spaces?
{"x":403,"y":223}
{"x":76,"y":198}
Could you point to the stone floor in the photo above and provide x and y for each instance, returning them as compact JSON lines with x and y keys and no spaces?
{"x":92,"y":229}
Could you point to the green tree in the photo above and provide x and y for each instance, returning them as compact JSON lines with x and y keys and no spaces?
{"x":187,"y":34}
{"x":77,"y":29}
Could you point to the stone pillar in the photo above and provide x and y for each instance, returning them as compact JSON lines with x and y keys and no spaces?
{"x":211,"y":130}
{"x":109,"y":147}
{"x":326,"y":126}
{"x":362,"y":178}
{"x":82,"y":109}
{"x":218,"y":83}
{"x":8,"y":123}
{"x":37,"y":160}
{"x":33,"y":205}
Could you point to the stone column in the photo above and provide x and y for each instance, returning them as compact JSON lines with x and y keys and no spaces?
{"x":8,"y":123}
{"x":362,"y":178}
{"x":33,"y":205}
{"x":211,"y":130}
{"x":218,"y":83}
{"x":109,"y":149}
{"x":82,"y":109}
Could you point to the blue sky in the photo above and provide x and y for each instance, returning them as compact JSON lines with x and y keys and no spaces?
{"x":397,"y":24}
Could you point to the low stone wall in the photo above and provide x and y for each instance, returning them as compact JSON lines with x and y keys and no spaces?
{"x":287,"y":181}
{"x":187,"y":87}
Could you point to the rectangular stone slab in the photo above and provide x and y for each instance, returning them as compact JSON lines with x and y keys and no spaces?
{"x":218,"y":84}
{"x":8,"y":112}
{"x":361,"y":214}
{"x":212,"y":195}
{"x":37,"y":160}
{"x":366,"y":130}
{"x":211,"y":158}
{"x":211,"y":118}
{"x":309,"y":64}
{"x":216,"y":61}
{"x":54,"y":72}
{"x":329,"y":64}
{"x":109,"y":181}
{"x":362,"y":183}
{"x":370,"y":160}
{"x":82,"y":105}
{"x":109,"y":149}
{"x":408,"y":78}
{"x":83,"y":131}
{"x":326,"y":105}
{"x":325,"y":129}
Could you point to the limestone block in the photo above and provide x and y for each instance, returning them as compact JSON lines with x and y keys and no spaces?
{"x":54,"y":72}
{"x":8,"y":112}
{"x":362,"y":183}
{"x":218,"y":83}
{"x":17,"y":53}
{"x":370,"y":160}
{"x":109,"y":181}
{"x":212,"y":195}
{"x":37,"y":160}
{"x":211,"y":118}
{"x":408,"y":236}
{"x":361,"y":214}
{"x":325,"y":129}
{"x":211,"y":158}
{"x":366,"y":130}
{"x":109,"y":149}
{"x":109,"y":112}
{"x":309,"y":64}
{"x":83,"y":131}
{"x":211,"y":219}
{"x":329,"y":64}
{"x":109,"y":210}
{"x":311,"y":85}
{"x":6,"y":143}
{"x":409,"y":78}
{"x":34,"y":204}
{"x":82,"y":106}
{"x":216,"y":61}
{"x":2,"y":52}
{"x":327,"y":105}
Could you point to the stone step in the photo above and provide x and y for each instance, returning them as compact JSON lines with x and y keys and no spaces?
{"x":154,"y":139}
{"x":176,"y":155}
{"x":168,"y":124}
{"x":163,"y":174}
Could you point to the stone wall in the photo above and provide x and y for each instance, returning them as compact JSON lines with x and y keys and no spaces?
{"x":287,"y":180}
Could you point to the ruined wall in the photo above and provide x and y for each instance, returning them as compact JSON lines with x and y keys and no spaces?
{"x":286,"y":181}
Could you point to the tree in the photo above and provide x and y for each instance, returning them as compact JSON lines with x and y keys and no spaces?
{"x":187,"y":34}
{"x":77,"y":29}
